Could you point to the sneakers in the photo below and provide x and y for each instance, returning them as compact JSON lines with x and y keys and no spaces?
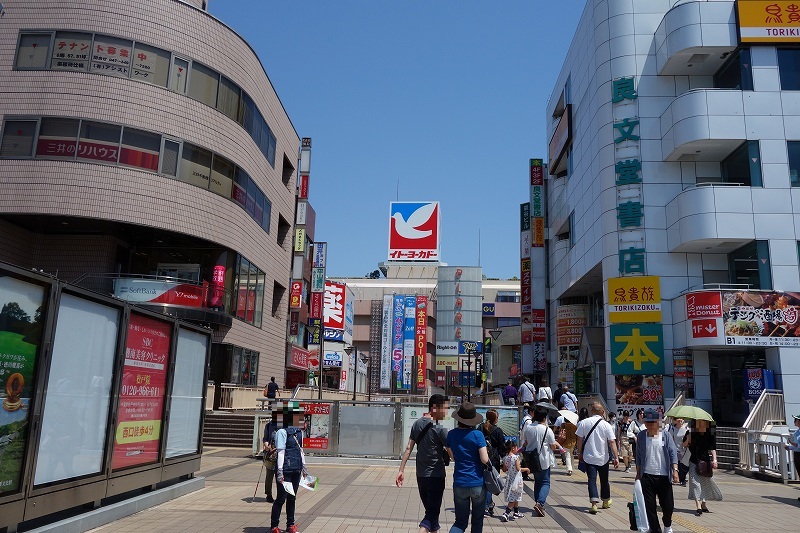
{"x":270,"y":499}
{"x":569,"y":472}
{"x":668,"y":529}
{"x":291,"y":529}
{"x":517,"y":514}
{"x":505,"y":517}
{"x":538,"y":510}
{"x":593,"y":508}
{"x":275,"y":530}
{"x":627,"y":470}
{"x":607,"y":504}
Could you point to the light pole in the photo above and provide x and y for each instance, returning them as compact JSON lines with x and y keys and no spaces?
{"x":321,"y":331}
{"x":369,"y":377}
{"x":469,"y":374}
{"x":495,"y":333}
{"x":348,"y":349}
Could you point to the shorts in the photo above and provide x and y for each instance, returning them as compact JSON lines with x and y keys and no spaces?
{"x":625,"y":448}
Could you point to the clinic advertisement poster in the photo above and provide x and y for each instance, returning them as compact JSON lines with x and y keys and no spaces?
{"x":141,"y":398}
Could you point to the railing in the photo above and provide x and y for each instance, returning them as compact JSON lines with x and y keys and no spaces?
{"x":769,"y":409}
{"x":679,"y":400}
{"x":767,"y":453}
{"x":210,"y":396}
{"x":234,"y":397}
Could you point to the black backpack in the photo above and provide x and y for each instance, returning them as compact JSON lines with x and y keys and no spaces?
{"x":496,"y":446}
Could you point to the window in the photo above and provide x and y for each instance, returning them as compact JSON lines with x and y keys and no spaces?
{"x":177,"y":75}
{"x":150,"y":64}
{"x":57,"y":138}
{"x":33,"y":51}
{"x":283,"y":230}
{"x":203,"y":84}
{"x":750,"y":265}
{"x":507,"y":296}
{"x":229,"y":96}
{"x":259,"y":214}
{"x":195,"y":165}
{"x":222,"y":174}
{"x":258,"y":311}
{"x":737,"y":73}
{"x":250,"y":204}
{"x":789,"y":68}
{"x":793,"y":148}
{"x":18,"y":138}
{"x":743,"y":166}
{"x":71,"y":51}
{"x":507,"y":322}
{"x":278,"y":292}
{"x":265,"y":223}
{"x":288,"y":171}
{"x":249,"y":290}
{"x":99,"y":142}
{"x":140,"y":149}
{"x":111,"y":56}
{"x":169,"y":163}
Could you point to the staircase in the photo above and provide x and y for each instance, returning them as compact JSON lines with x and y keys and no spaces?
{"x":228,"y":430}
{"x":728,"y":447}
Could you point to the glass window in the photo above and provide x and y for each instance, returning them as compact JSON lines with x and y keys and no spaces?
{"x":99,"y":142}
{"x":239,"y":192}
{"x":259,"y":303}
{"x":259,"y":213}
{"x":793,"y":147}
{"x":244,"y":272}
{"x":250,"y":300}
{"x":265,"y":222}
{"x":228,"y":101}
{"x":249,"y":116}
{"x":271,"y":149}
{"x":169,"y":163}
{"x":203,"y":84}
{"x":177,"y":75}
{"x":250,"y":205}
{"x":222,"y":174}
{"x":737,"y":73}
{"x":18,"y":138}
{"x":750,"y":265}
{"x":140,"y":149}
{"x":236,"y":365}
{"x":111,"y":56}
{"x":71,"y":51}
{"x":33,"y":51}
{"x":150,"y":64}
{"x":186,"y":400}
{"x":507,"y":322}
{"x":743,"y":166}
{"x":57,"y":138}
{"x":789,"y":68}
{"x":195,"y":165}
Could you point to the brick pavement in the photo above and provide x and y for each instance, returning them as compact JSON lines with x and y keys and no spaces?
{"x":360,"y":497}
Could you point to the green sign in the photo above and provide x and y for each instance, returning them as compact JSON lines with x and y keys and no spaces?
{"x":637,"y":349}
{"x":582,"y":379}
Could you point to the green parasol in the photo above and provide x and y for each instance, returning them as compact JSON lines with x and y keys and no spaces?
{"x":689,"y":411}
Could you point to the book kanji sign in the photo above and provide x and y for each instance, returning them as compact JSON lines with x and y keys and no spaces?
{"x":637,"y":349}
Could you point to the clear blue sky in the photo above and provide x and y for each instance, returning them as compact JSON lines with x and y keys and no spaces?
{"x":444,"y":97}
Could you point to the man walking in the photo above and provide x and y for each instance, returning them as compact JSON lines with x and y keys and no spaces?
{"x":271,"y":390}
{"x":431,"y":439}
{"x":526,"y":392}
{"x":595,"y":439}
{"x":624,"y":444}
{"x":569,"y":400}
{"x":656,"y":458}
{"x":510,"y":393}
{"x":539,"y":438}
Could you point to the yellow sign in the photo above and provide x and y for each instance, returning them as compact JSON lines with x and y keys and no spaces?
{"x":299,"y":240}
{"x":443,"y":361}
{"x":634,"y":299}
{"x":769,"y":21}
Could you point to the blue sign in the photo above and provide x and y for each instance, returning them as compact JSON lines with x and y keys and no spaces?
{"x":333,"y":335}
{"x":474,"y":347}
{"x":466,"y":378}
{"x":488,"y":309}
{"x":756,"y":380}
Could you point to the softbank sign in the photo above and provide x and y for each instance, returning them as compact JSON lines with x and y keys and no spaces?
{"x":447,"y":348}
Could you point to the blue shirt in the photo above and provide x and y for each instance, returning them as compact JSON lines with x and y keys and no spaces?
{"x":796,"y":447}
{"x":465,"y":443}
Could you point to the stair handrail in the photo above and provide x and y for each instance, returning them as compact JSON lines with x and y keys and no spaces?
{"x":679,"y":400}
{"x":769,"y":408}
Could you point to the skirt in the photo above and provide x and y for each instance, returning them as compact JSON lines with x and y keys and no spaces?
{"x":702,"y":488}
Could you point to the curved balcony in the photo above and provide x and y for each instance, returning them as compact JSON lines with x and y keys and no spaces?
{"x":695,"y":38}
{"x":703,"y":125}
{"x":710,"y":218}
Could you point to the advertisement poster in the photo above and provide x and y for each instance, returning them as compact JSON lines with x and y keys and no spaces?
{"x":141,"y":397}
{"x":21,"y":324}
{"x":318,"y":419}
{"x":409,"y":334}
{"x":761,"y":318}
{"x":570,"y":321}
{"x":636,"y":389}
{"x":421,"y":343}
{"x":683,"y":371}
{"x":398,"y":318}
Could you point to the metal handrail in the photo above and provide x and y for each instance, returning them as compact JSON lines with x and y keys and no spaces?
{"x":679,"y":400}
{"x":769,"y":408}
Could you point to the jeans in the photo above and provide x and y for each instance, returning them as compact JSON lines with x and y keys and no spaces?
{"x":283,"y":496}
{"x":661,"y":486}
{"x":431,"y":492}
{"x":541,"y":486}
{"x":605,"y":488}
{"x":463,"y":498}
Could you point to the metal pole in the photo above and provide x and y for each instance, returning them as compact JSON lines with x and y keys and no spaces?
{"x":469,"y":375}
{"x":355,"y":372}
{"x":369,"y":378}
{"x":321,"y":331}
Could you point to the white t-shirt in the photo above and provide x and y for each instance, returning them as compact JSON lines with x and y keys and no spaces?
{"x":525,"y":392}
{"x":595,"y":449}
{"x":654,"y":464}
{"x":634,"y":428}
{"x":544,"y":393}
{"x":533,"y":434}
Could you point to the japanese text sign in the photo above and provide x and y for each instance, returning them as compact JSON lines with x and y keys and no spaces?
{"x":703,"y":305}
{"x":296,"y":295}
{"x":637,"y":349}
{"x":414,"y":231}
{"x":768,"y":21}
{"x":634,"y":299}
{"x":334,"y":305}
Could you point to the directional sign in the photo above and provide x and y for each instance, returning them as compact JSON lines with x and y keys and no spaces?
{"x":706,"y":327}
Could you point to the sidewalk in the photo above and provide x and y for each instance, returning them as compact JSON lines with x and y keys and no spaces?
{"x":359,"y":496}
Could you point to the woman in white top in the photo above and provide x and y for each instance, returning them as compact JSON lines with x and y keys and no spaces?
{"x":544,"y":394}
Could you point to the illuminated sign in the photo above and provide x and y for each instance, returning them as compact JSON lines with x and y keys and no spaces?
{"x":414,"y":231}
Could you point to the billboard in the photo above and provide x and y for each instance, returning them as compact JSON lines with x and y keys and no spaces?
{"x":333,"y":308}
{"x":398,"y":317}
{"x":768,"y":21}
{"x":414,"y":231}
{"x":421,"y":343}
{"x":161,"y":292}
{"x":386,"y":343}
{"x":409,"y":334}
{"x":637,"y":349}
{"x":634,"y":299}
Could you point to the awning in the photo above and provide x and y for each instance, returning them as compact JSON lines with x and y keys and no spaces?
{"x":593,"y":347}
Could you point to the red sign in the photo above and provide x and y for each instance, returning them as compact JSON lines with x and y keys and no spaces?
{"x":217,"y":293}
{"x":537,"y":172}
{"x":296,"y":297}
{"x":421,"y":340}
{"x":141,"y":397}
{"x":703,"y":305}
{"x":334,"y":305}
{"x":298,"y":358}
{"x":316,"y":305}
{"x":303,"y":186}
{"x":317,"y":425}
{"x":706,"y":327}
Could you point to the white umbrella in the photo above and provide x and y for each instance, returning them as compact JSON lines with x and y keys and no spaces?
{"x":569,"y":416}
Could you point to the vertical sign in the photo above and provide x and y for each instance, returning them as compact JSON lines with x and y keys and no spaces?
{"x":570,"y":321}
{"x":141,"y":397}
{"x":398,"y":319}
{"x":421,"y":345}
{"x":536,"y":271}
{"x":386,"y":343}
{"x":683,"y":371}
{"x":409,"y":333}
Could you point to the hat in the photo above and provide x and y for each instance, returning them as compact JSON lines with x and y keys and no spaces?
{"x":288,"y":407}
{"x":796,"y":417}
{"x":467,"y":415}
{"x":651,"y":415}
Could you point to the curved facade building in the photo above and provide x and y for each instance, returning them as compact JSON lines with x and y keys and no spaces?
{"x":145,"y":154}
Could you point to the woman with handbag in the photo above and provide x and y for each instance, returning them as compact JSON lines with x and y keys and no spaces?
{"x":468,"y":450}
{"x":702,"y":445}
{"x":496,"y":448}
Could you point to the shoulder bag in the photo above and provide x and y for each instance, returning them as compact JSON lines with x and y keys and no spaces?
{"x":492,"y":479}
{"x":532,"y":457}
{"x":581,"y":462}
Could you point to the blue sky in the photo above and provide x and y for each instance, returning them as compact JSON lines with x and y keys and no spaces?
{"x":414,"y":100}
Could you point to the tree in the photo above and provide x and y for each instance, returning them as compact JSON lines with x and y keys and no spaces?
{"x":12,"y":311}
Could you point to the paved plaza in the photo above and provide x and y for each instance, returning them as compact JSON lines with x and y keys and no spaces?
{"x":359,"y":496}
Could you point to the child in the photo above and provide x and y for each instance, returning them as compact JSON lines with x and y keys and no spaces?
{"x":514,"y":488}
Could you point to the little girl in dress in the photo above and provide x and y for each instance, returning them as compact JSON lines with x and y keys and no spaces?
{"x":513,"y":489}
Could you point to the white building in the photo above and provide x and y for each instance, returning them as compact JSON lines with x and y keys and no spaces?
{"x":675,"y":153}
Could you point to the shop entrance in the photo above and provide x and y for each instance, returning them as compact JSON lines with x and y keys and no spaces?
{"x":728,"y":404}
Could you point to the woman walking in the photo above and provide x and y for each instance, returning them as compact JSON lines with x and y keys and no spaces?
{"x":496,"y":449}
{"x":702,"y":445}
{"x":467,"y":447}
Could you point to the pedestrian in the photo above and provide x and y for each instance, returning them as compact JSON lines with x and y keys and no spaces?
{"x":430,"y":437}
{"x":271,"y":390}
{"x":538,"y":445}
{"x":566,"y":438}
{"x":291,"y":463}
{"x":514,"y":487}
{"x":510,"y":393}
{"x":624,"y":441}
{"x":583,"y":414}
{"x":557,"y":395}
{"x":678,"y":430}
{"x":702,"y":445}
{"x":468,"y":450}
{"x":569,"y":400}
{"x":794,"y":445}
{"x":595,"y":439}
{"x":495,"y":447}
{"x":657,"y":469}
{"x":270,"y":452}
{"x":544,"y":394}
{"x":526,"y":391}
{"x":636,"y":427}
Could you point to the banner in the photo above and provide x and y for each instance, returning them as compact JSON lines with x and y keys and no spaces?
{"x":398,"y":319}
{"x":761,"y":318}
{"x":318,"y":421}
{"x":409,"y":334}
{"x":386,"y":343}
{"x":421,"y":344}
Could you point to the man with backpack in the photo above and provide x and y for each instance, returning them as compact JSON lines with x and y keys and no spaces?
{"x":291,"y":463}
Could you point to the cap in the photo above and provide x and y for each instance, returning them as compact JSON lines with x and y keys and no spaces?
{"x":796,"y":417}
{"x":651,"y":415}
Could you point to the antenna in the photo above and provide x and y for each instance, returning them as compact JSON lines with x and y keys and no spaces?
{"x":479,"y":246}
{"x":397,"y":197}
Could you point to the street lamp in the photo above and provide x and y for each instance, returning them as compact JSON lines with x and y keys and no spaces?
{"x":369,"y":377}
{"x":495,"y":333}
{"x":470,"y":351}
{"x":348,"y":349}
{"x":321,"y":332}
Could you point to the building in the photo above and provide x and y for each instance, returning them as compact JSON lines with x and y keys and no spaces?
{"x":145,"y":154}
{"x":673,"y":167}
